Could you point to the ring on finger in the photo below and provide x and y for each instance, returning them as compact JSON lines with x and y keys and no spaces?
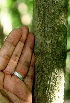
{"x":18,"y":75}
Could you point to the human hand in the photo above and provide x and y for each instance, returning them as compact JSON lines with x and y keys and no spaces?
{"x":17,"y":55}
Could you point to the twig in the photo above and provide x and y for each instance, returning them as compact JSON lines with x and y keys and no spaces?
{"x":68,"y":50}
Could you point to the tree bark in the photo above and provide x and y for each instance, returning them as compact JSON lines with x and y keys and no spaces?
{"x":50,"y":30}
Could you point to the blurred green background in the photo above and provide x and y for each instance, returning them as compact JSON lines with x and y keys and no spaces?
{"x":14,"y":13}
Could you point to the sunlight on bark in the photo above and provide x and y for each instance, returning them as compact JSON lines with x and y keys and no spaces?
{"x":58,"y":88}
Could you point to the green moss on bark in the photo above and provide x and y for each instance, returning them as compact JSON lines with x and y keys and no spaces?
{"x":50,"y":30}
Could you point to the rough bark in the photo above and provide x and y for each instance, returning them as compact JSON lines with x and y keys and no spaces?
{"x":50,"y":30}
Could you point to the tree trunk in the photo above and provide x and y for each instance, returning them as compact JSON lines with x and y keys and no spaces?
{"x":50,"y":30}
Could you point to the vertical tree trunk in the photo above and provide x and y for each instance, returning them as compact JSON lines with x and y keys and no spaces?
{"x":50,"y":30}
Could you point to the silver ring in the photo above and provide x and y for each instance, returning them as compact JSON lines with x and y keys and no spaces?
{"x":18,"y":75}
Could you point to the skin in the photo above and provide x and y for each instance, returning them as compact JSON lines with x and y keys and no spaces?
{"x":17,"y":54}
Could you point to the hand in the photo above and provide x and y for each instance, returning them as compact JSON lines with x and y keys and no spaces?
{"x":17,"y":55}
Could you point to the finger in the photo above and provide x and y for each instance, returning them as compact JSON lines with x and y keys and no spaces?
{"x":28,"y":80}
{"x":6,"y":96}
{"x":3,"y":99}
{"x":25,"y":58}
{"x":12,"y":97}
{"x":17,"y":52}
{"x":1,"y":79}
{"x":17,"y":87}
{"x":8,"y":47}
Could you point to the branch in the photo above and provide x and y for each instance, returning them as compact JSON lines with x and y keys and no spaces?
{"x":68,"y":50}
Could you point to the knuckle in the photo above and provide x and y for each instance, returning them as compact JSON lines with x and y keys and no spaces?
{"x":5,"y":56}
{"x":30,"y":76}
{"x":11,"y":43}
{"x":15,"y":57}
{"x":26,"y":63}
